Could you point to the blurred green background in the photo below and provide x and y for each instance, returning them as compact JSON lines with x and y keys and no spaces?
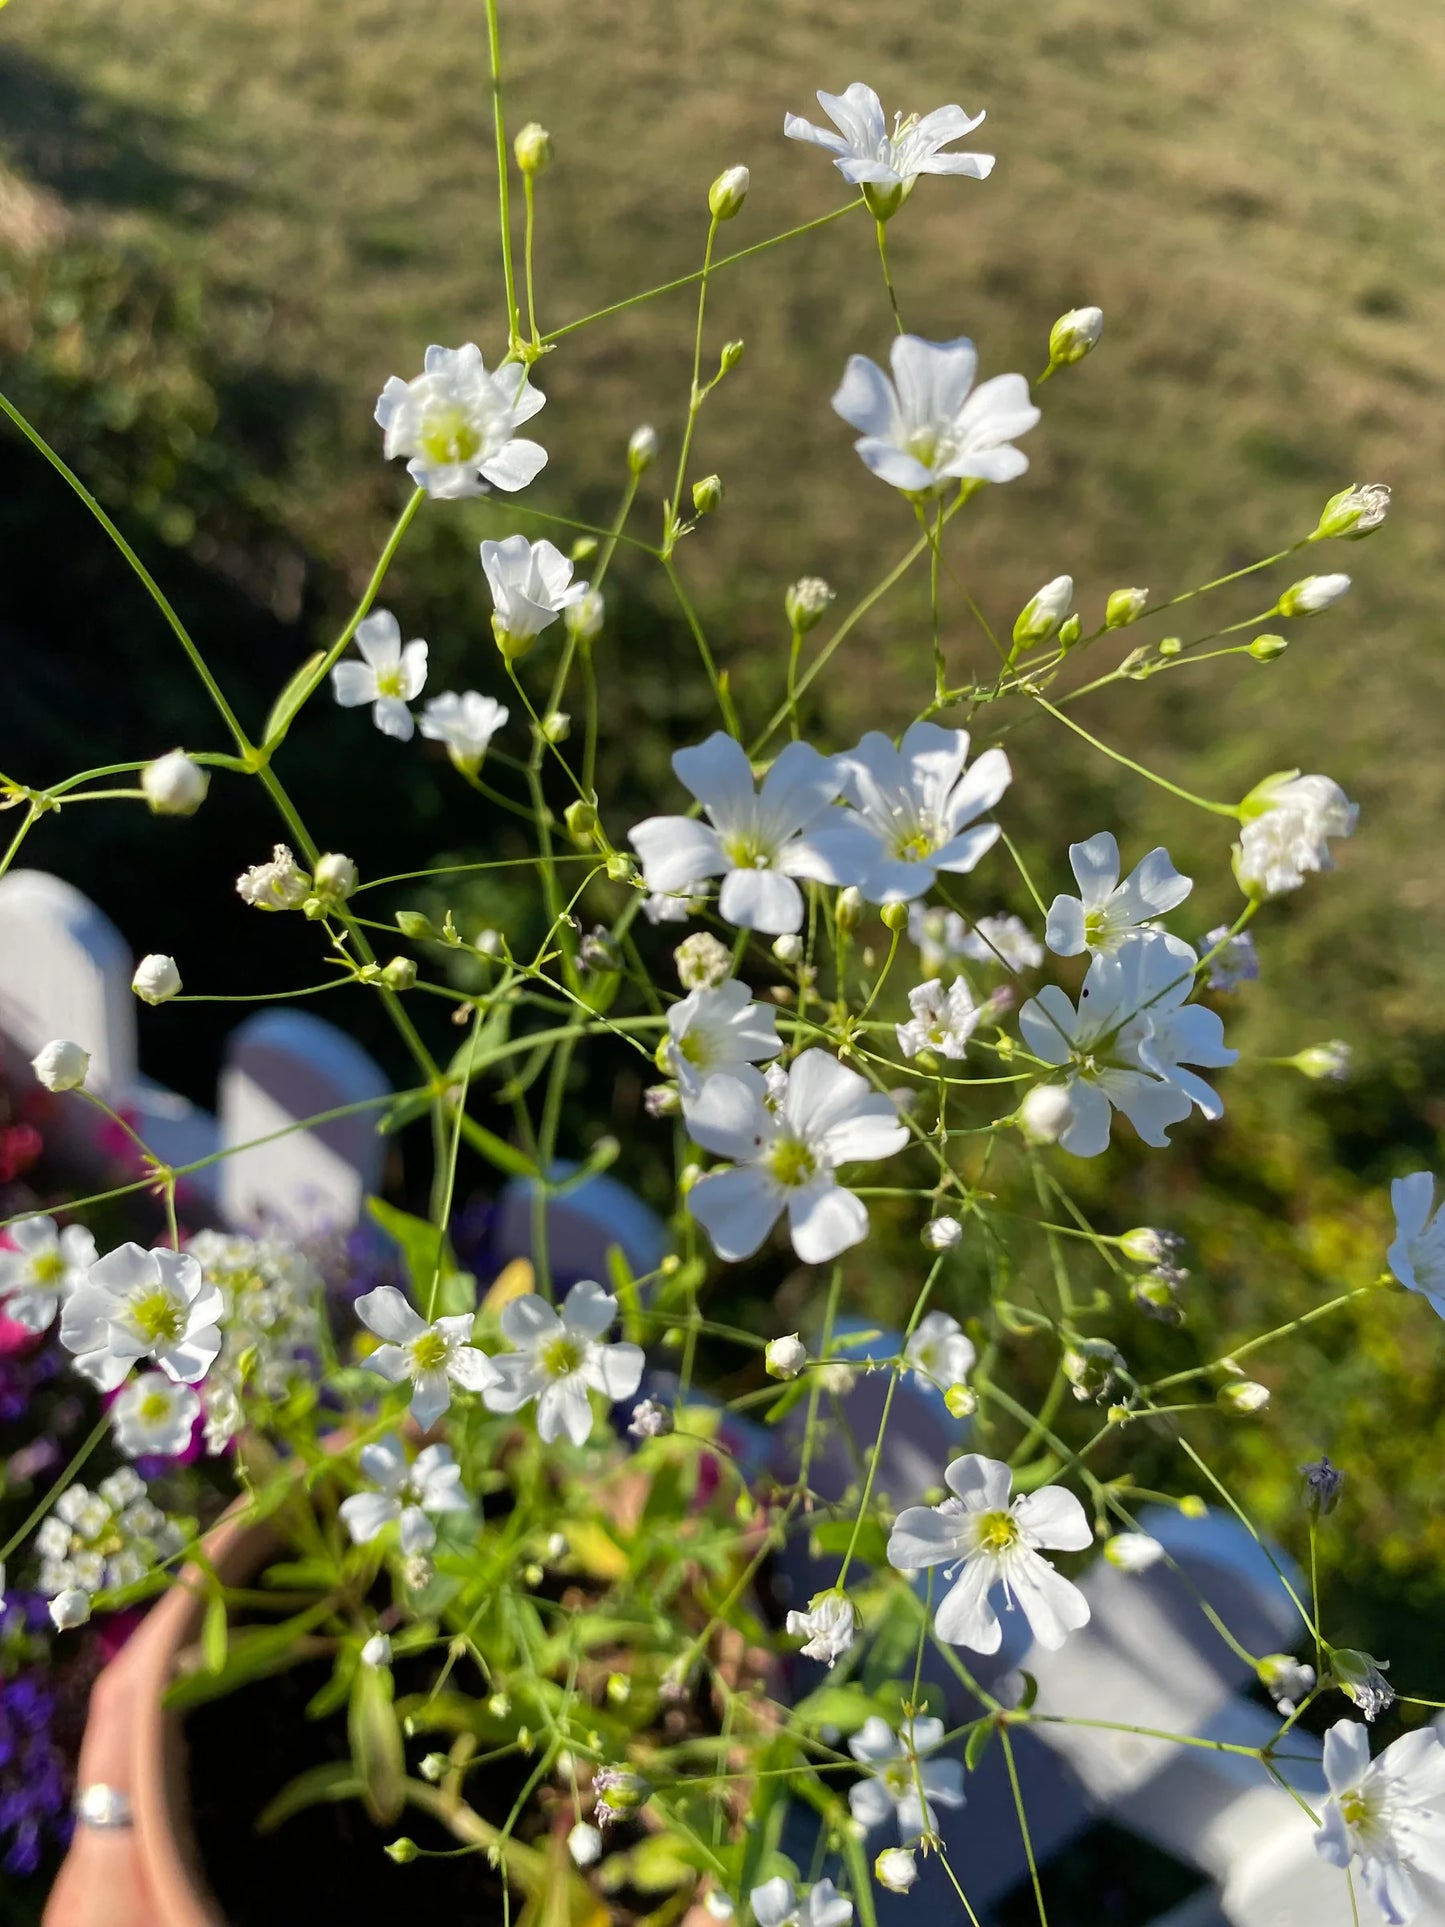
{"x":221,"y":229}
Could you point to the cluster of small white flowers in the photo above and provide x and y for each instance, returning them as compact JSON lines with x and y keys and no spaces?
{"x":106,"y":1538}
{"x":270,"y":1318}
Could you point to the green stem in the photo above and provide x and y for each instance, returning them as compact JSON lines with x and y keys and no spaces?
{"x":1231,"y":810}
{"x":494,"y":53}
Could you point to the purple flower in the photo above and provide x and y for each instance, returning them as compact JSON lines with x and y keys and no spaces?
{"x":33,"y":1774}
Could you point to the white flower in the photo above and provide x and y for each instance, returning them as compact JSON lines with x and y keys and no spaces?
{"x":405,"y":1493}
{"x":671,"y":907}
{"x":1006,"y":941}
{"x":1133,"y":1551}
{"x":70,"y":1609}
{"x":784,"y":1158}
{"x":1287,"y":1680}
{"x":376,"y":1651}
{"x":1288,"y":821}
{"x":156,"y":979}
{"x":897,"y":1772}
{"x":277,"y":885}
{"x":924,"y":429}
{"x":1106,"y":914}
{"x":774,"y":1905}
{"x":1389,"y":1814}
{"x":942,"y":1021}
{"x":388,"y":676}
{"x":531,"y":584}
{"x":1235,"y":961}
{"x":1313,"y":594}
{"x":757,"y":841}
{"x":61,"y":1066}
{"x":1417,"y":1257}
{"x":465,"y":723}
{"x":1044,"y":611}
{"x":913,"y":810}
{"x":806,"y":602}
{"x":558,"y":1359}
{"x":174,"y":785}
{"x":995,"y":1542}
{"x":942,"y":1234}
{"x":1127,"y":1042}
{"x":154,"y":1417}
{"x":940,"y":1352}
{"x":1075,"y":335}
{"x":870,"y":157}
{"x":46,"y":1265}
{"x":828,"y":1626}
{"x":434,"y":1357}
{"x":785,"y":1357}
{"x":701,"y":960}
{"x":458,"y":424}
{"x":1354,"y":511}
{"x":896,"y":1869}
{"x":139,"y":1304}
{"x":1361,"y":1678}
{"x":717,"y":1029}
{"x":584,"y":1843}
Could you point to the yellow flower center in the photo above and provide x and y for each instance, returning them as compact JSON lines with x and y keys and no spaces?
{"x":560,"y":1356}
{"x":429,"y":1352}
{"x":156,"y":1317}
{"x":449,"y":437}
{"x":693,"y":1050}
{"x":923,"y":446}
{"x":745,"y":853}
{"x":1354,"y":1808}
{"x":48,"y":1268}
{"x":390,"y":682}
{"x":155,"y":1408}
{"x":997,"y":1531}
{"x":792,"y":1162}
{"x":1096,"y":926}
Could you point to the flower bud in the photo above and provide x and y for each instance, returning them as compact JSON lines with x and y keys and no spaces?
{"x":642,"y":448}
{"x":1091,"y":1366}
{"x":732,"y":354}
{"x":728,"y":192}
{"x":707,"y":494}
{"x":785,"y":1357}
{"x":849,"y":908}
{"x":556,"y":726}
{"x":1125,"y":606}
{"x":702,"y":962}
{"x":1354,"y":512}
{"x":1244,"y":1395}
{"x":399,"y":974}
{"x":1361,"y":1677}
{"x":584,"y":618}
{"x":533,"y":148}
{"x":376,"y":1651}
{"x":619,"y":1792}
{"x":69,"y":1609}
{"x":402,"y":1851}
{"x":942,"y":1234}
{"x":1326,"y":1063}
{"x":961,"y":1400}
{"x":788,"y":948}
{"x":1266,"y":648}
{"x":894,"y":916}
{"x":896,"y":1869}
{"x":174,"y":785}
{"x":1075,"y":335}
{"x":583,"y":549}
{"x":620,"y":868}
{"x":1133,"y":1551}
{"x":649,"y":1420}
{"x":415,"y":924}
{"x":584,"y":1843}
{"x":806,"y":602}
{"x":581,"y":820}
{"x":1285,"y":1679}
{"x":1069,"y":632}
{"x":1148,"y":1246}
{"x":433,"y":1767}
{"x":61,"y":1066}
{"x":156,"y":979}
{"x":1312,"y":594}
{"x":1046,"y":1113}
{"x":491,"y":943}
{"x":335,"y":877}
{"x":1323,"y":1484}
{"x":1043,"y":613}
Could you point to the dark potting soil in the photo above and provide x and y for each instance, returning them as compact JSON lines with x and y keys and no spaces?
{"x":326,"y":1863}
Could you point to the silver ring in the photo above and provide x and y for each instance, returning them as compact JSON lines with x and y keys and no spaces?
{"x":103,"y":1806}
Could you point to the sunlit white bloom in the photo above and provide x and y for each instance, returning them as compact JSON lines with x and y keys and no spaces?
{"x":138,"y":1304}
{"x":1288,"y":821}
{"x":458,"y":424}
{"x":897,"y":1767}
{"x":1106,"y":914}
{"x":278,"y":885}
{"x":154,"y":1417}
{"x":531,"y":584}
{"x":1133,"y":1551}
{"x":1046,"y":1112}
{"x":885,"y":164}
{"x":1006,"y":941}
{"x":433,"y":1357}
{"x":828,"y":1626}
{"x":157,"y":979}
{"x":942,"y":1020}
{"x":940,"y":1352}
{"x":107,"y":1538}
{"x":1286,"y":1678}
{"x":1127,"y":1043}
{"x":465,"y":723}
{"x":1388,"y":1814}
{"x":913,"y":809}
{"x":1417,"y":1257}
{"x":924,"y":428}
{"x":42,"y":1270}
{"x":756,"y":840}
{"x":559,"y":1359}
{"x":895,"y":1869}
{"x":775,"y":1905}
{"x":784,"y":1156}
{"x":409,"y":1494}
{"x":70,"y":1609}
{"x":174,"y":785}
{"x":389,"y":676}
{"x":60,"y":1065}
{"x":991,"y":1540}
{"x":785,"y":1357}
{"x":717,"y":1029}
{"x":1235,"y":961}
{"x":942,"y":1234}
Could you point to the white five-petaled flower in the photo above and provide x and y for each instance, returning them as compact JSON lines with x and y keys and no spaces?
{"x":940,"y":1352}
{"x":828,"y":1626}
{"x":434,"y":1357}
{"x":405,"y":1492}
{"x":913,"y":809}
{"x":756,"y":840}
{"x":718,"y":1029}
{"x":465,"y":723}
{"x":994,"y":1541}
{"x":154,"y":1417}
{"x":784,"y":1156}
{"x":774,"y":1904}
{"x":1288,"y":821}
{"x":942,"y":1020}
{"x":1127,"y":1042}
{"x":560,"y":1358}
{"x":1388,"y":1813}
{"x":1106,"y":914}
{"x":1005,"y":941}
{"x":138,"y":1304}
{"x":902,"y":1782}
{"x":1417,"y":1257}
{"x":458,"y":424}
{"x":42,"y":1270}
{"x":866,"y":154}
{"x":924,"y":428}
{"x":389,"y":676}
{"x":531,"y":584}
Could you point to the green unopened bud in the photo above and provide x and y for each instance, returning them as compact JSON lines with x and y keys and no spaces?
{"x":399,"y":974}
{"x":785,"y":1357}
{"x":533,"y":148}
{"x":620,"y":868}
{"x":1069,"y":632}
{"x":961,"y":1400}
{"x":434,"y":1767}
{"x":732,"y":354}
{"x":583,"y":549}
{"x":584,"y":617}
{"x":1125,"y":606}
{"x":1191,"y":1506}
{"x":642,"y":448}
{"x":1172,"y":646}
{"x":414,"y":924}
{"x":728,"y":192}
{"x":1042,"y":613}
{"x":788,"y":948}
{"x":402,"y":1851}
{"x":1355,"y":512}
{"x":335,"y":878}
{"x":581,"y":820}
{"x":1075,"y":335}
{"x":806,"y":602}
{"x":1244,"y":1395}
{"x":1091,"y":1366}
{"x":556,"y":726}
{"x":1266,"y":648}
{"x":707,"y":494}
{"x":1326,"y":1063}
{"x":895,"y":916}
{"x":849,"y":908}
